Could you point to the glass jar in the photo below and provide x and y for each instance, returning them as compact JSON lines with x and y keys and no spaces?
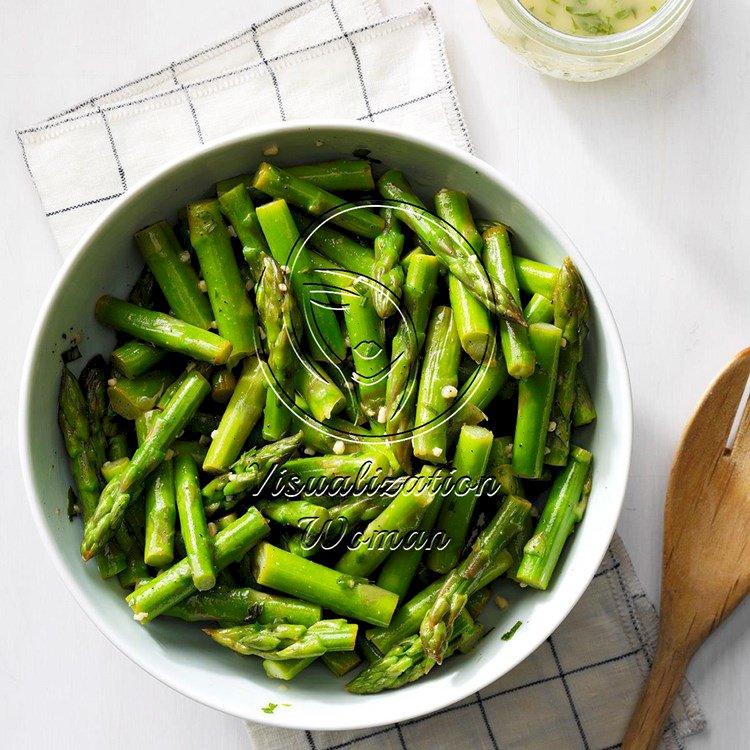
{"x":579,"y":58}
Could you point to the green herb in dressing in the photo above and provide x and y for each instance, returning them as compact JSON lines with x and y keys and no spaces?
{"x":507,"y":636}
{"x":592,"y":17}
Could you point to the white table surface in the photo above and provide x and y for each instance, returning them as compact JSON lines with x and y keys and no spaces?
{"x":648,"y":173}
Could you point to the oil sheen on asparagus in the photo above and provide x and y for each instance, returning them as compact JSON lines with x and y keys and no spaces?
{"x":287,"y":345}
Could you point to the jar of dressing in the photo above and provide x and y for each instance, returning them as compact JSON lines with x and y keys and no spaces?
{"x":585,"y":40}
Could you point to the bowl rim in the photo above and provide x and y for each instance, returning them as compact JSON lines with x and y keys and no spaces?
{"x":84,"y":599}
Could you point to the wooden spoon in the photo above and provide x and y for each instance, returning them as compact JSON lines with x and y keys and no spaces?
{"x":706,"y":557}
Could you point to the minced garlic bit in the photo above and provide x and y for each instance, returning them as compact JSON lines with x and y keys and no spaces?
{"x":213,"y":529}
{"x":339,"y":447}
{"x":552,"y":426}
{"x":202,"y":285}
{"x":308,"y":451}
{"x":282,"y":287}
{"x":381,"y":415}
{"x":285,"y":269}
{"x":232,"y":477}
{"x":112,"y":382}
{"x":271,"y":150}
{"x":141,"y":616}
{"x":501,"y":602}
{"x":320,"y":143}
{"x":547,"y":451}
{"x":563,"y":343}
{"x":213,"y":324}
{"x":185,"y":256}
{"x":437,"y":452}
{"x":214,"y":434}
{"x":249,"y":285}
{"x":170,"y":454}
{"x":449,"y":391}
{"x":231,"y":231}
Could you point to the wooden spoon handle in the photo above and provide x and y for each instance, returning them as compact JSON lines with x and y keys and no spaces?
{"x":647,"y":724}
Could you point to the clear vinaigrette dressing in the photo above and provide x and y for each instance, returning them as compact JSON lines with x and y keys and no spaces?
{"x":592,"y":17}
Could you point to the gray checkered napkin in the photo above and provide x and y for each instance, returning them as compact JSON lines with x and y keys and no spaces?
{"x":390,"y":70}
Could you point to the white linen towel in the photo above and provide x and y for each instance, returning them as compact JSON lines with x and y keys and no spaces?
{"x":343,"y":59}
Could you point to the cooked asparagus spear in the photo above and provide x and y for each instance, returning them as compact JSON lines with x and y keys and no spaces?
{"x":455,"y":253}
{"x":176,"y":277}
{"x":470,"y":463}
{"x":535,"y":396}
{"x":484,"y":384}
{"x":131,"y":398}
{"x":251,"y":468}
{"x":161,"y":515}
{"x":367,"y":341}
{"x":243,"y":411}
{"x":401,"y":389}
{"x":82,"y":460}
{"x":93,"y":381}
{"x":321,"y":326}
{"x":174,"y":584}
{"x":341,"y":593}
{"x":409,"y":616}
{"x":193,"y":527}
{"x":135,"y":358}
{"x":286,"y":670}
{"x":241,"y":605}
{"x":389,"y":245}
{"x":339,"y":249}
{"x":535,"y":277}
{"x":300,"y":513}
{"x":117,"y":494}
{"x":473,"y":321}
{"x":280,"y":641}
{"x":320,"y":393}
{"x":571,"y":316}
{"x":278,"y":183}
{"x":239,"y":210}
{"x":403,"y":514}
{"x":556,"y":522}
{"x":584,"y":411}
{"x":341,"y":662}
{"x":514,"y":338}
{"x":163,"y":331}
{"x":407,"y":661}
{"x":437,"y":627}
{"x":500,"y":469}
{"x":275,"y":310}
{"x":338,"y":175}
{"x":437,"y":386}
{"x":398,"y":571}
{"x":539,"y":310}
{"x":364,"y":466}
{"x":233,"y":311}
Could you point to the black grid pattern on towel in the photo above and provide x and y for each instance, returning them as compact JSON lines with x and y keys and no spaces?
{"x":100,"y":106}
{"x":486,"y":702}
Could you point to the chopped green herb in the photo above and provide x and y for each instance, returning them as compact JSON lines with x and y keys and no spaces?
{"x":507,"y":636}
{"x":270,"y":708}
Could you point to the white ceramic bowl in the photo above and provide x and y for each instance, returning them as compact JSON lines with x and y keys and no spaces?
{"x":177,"y":653}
